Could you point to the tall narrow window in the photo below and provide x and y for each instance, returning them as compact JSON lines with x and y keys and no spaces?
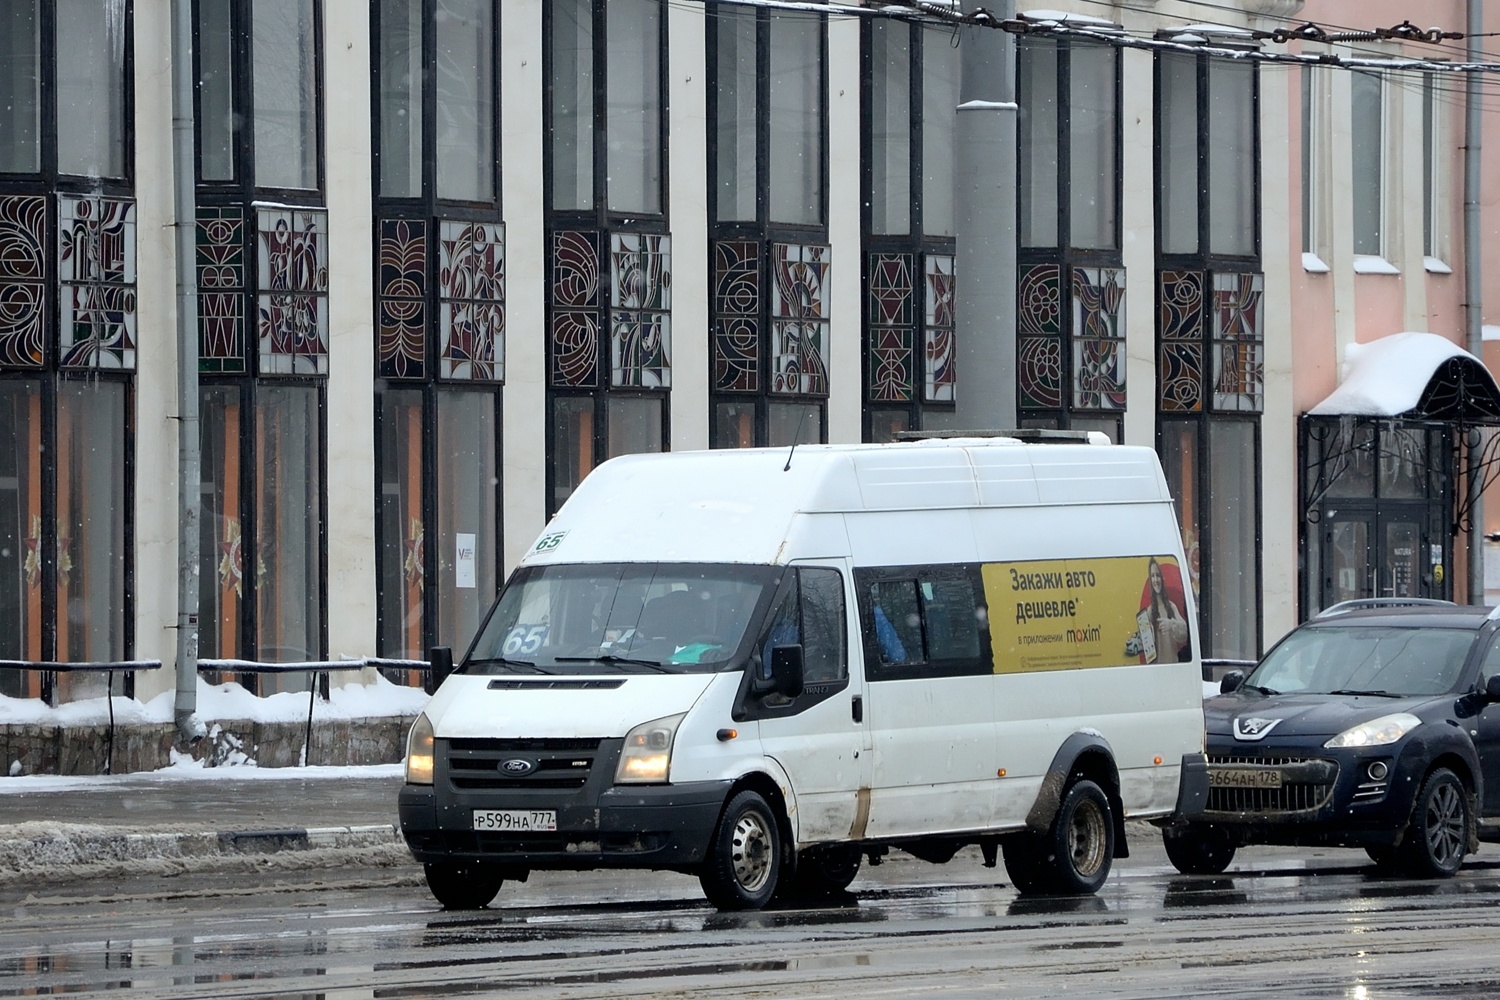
{"x":1367,"y":138}
{"x":769,"y":262}
{"x":1071,"y":293}
{"x":440,"y":321}
{"x":1435,"y":158}
{"x":262,"y":262}
{"x":911,"y":93}
{"x":68,"y":347}
{"x":609,"y":341}
{"x":1210,"y":335}
{"x":1314,"y":125}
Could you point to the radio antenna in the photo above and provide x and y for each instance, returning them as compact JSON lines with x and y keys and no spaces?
{"x":789,"y":454}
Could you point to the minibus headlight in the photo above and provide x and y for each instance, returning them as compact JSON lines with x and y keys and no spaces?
{"x":1376,"y":733}
{"x":647,"y":755}
{"x":419,"y":752}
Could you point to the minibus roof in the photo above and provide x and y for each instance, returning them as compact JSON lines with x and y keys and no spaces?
{"x":739,"y":505}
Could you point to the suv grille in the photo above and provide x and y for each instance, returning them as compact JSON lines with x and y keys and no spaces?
{"x":1306,"y":786}
{"x":477,"y":764}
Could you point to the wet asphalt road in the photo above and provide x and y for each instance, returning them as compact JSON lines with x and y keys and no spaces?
{"x":1281,"y":923}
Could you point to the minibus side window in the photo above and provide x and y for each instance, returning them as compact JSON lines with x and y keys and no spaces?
{"x":921,"y":621}
{"x":812,"y":614}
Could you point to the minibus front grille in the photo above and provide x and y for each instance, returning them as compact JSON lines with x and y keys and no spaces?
{"x":1307,"y":786}
{"x":489,"y":764}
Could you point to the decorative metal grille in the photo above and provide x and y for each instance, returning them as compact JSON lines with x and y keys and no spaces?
{"x":292,"y":248}
{"x":737,"y":302}
{"x":23,"y":280}
{"x":640,"y":310}
{"x":402,"y":297}
{"x":575,"y":309}
{"x":471,"y":301}
{"x":939,"y":374}
{"x":96,"y":271}
{"x":799,"y":318}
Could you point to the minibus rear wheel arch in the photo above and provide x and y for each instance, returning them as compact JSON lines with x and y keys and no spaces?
{"x":1083,"y":756}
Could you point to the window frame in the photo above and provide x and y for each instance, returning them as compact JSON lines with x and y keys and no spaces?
{"x":761,"y":233}
{"x":866,"y":578}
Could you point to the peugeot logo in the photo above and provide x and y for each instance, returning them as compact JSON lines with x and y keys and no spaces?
{"x":1253,"y":729}
{"x":518,"y":765}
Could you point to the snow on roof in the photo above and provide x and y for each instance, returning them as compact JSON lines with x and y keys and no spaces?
{"x":1067,"y":17}
{"x":1386,"y":377}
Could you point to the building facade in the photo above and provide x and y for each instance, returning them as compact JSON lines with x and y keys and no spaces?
{"x":452,"y":254}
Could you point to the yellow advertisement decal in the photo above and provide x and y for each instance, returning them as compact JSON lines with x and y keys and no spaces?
{"x":1071,"y":614}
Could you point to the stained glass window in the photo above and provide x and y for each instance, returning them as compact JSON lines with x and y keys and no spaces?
{"x":640,"y":310}
{"x":96,"y":271}
{"x":1179,"y":368}
{"x":737,"y":303}
{"x":1039,"y":337}
{"x":575,"y":309}
{"x":293,"y":291}
{"x":471,"y":303}
{"x":937,"y":329}
{"x":221,"y":290}
{"x":401,"y":294}
{"x":1099,"y":338}
{"x":1239,"y":342}
{"x":799,"y":318}
{"x":892,"y":296}
{"x":23,"y":282}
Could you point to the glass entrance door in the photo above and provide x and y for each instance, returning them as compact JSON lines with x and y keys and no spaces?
{"x":1368,"y":553}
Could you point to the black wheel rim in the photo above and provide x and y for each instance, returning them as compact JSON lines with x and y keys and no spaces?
{"x":1445,"y":825}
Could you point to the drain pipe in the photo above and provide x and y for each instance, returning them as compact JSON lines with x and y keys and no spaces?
{"x":185,"y":707}
{"x":1473,"y":294}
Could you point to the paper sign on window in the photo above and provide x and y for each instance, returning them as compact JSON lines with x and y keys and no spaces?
{"x":463,"y":565}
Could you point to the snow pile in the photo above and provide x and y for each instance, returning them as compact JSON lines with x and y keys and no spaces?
{"x":223,"y":701}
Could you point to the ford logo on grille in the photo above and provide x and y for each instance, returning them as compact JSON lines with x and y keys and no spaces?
{"x":517,"y":765}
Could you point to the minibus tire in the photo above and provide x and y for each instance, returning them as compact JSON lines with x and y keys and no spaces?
{"x":463,"y":885}
{"x":744,"y":857}
{"x":1081,"y":844}
{"x":1026,"y":863}
{"x":1198,"y":848}
{"x":821,"y":871}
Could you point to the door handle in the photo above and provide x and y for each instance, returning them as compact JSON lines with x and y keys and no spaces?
{"x":858,"y":704}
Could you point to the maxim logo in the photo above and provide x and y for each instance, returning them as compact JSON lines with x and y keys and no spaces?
{"x":517,"y":766}
{"x":1253,"y":729}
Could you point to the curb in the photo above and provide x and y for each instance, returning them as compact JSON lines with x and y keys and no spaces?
{"x":57,"y":845}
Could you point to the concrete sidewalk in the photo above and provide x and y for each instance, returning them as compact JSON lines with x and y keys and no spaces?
{"x":46,"y":823}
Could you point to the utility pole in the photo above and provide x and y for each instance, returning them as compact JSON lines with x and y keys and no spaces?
{"x":985,"y":220}
{"x":185,"y":706}
{"x":1473,"y":293}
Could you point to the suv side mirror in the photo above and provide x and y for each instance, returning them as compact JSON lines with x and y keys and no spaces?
{"x":441,"y":660}
{"x":1492,"y":688}
{"x":786,"y":670}
{"x":1231,"y":681}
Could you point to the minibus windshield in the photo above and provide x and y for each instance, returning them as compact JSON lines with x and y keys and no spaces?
{"x":622,"y":618}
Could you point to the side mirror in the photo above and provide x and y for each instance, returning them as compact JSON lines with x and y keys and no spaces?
{"x":1231,"y":681}
{"x":441,"y":660}
{"x":786,"y":670}
{"x":1492,"y":688}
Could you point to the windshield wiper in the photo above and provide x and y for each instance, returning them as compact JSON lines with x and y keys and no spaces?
{"x":1256,"y":687}
{"x":507,"y":661}
{"x":1377,"y":694}
{"x":614,"y":658}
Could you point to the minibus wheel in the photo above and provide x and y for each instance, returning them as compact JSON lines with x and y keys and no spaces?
{"x":1073,"y":857}
{"x":464,"y":885}
{"x":1198,"y":848}
{"x":822,"y":871}
{"x":744,"y":857}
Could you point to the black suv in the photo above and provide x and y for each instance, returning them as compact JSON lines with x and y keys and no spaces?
{"x":1373,"y":725}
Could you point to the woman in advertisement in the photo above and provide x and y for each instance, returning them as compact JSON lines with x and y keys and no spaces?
{"x":1163,"y":629}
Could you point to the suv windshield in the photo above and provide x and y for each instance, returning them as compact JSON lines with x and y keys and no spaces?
{"x":1384,"y":659}
{"x":621,"y":617}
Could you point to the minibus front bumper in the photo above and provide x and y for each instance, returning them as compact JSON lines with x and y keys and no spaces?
{"x":622,"y":826}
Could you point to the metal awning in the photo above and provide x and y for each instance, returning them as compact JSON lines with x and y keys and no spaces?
{"x":1416,"y":376}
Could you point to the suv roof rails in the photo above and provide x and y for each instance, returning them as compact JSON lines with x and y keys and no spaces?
{"x":1361,"y":603}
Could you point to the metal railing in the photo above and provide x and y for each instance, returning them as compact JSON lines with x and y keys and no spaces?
{"x":49,"y":669}
{"x":317,"y":677}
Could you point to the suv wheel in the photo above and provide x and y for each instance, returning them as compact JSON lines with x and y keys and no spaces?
{"x":1439,"y":832}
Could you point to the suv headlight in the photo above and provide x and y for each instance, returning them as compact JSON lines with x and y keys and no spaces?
{"x":419,"y":752}
{"x":647,"y":756}
{"x":1375,"y":733}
